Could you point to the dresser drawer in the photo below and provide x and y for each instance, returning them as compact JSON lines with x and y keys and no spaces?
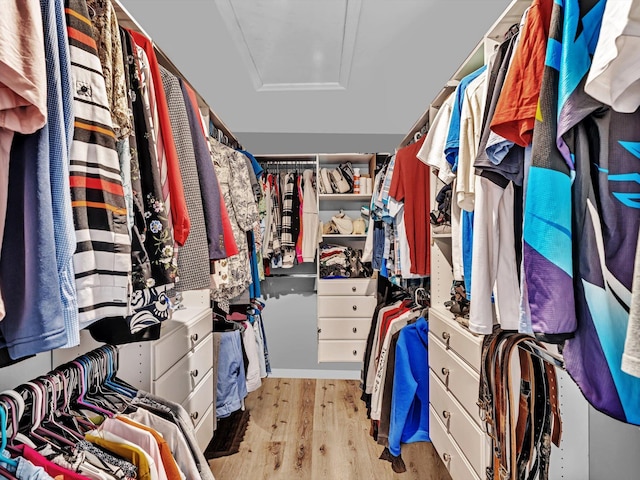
{"x":184,"y":376}
{"x":341,"y":350}
{"x":456,"y":376}
{"x":175,"y":344}
{"x":200,"y":399}
{"x":343,"y":328}
{"x":355,"y":286}
{"x":455,"y":337}
{"x":204,"y":429}
{"x":467,"y":434}
{"x":355,"y":306}
{"x":449,"y":452}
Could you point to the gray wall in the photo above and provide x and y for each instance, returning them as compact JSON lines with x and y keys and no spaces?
{"x":614,"y":448}
{"x":292,"y":143}
{"x":290,"y":322}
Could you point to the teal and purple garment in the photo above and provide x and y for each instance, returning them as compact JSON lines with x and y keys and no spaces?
{"x":582,"y":216}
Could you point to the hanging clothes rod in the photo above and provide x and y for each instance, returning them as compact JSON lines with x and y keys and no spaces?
{"x":287,"y":162}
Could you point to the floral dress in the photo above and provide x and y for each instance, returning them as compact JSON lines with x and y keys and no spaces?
{"x":235,"y":184}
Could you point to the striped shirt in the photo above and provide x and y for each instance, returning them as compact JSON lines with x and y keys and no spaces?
{"x":102,"y":260}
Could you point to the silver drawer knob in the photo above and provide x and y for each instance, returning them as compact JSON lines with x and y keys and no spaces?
{"x":354,"y":330}
{"x":446,"y":457}
{"x":194,"y":415}
{"x":446,"y":336}
{"x":445,"y":371}
{"x":353,"y":289}
{"x":355,"y":352}
{"x":194,"y":373}
{"x":355,"y":307}
{"x":194,"y":337}
{"x":446,"y":414}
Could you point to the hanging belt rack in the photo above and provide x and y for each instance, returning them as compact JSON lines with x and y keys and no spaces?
{"x":555,"y":359}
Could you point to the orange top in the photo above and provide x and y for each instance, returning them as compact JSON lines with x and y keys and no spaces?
{"x":170,"y":465}
{"x":515,"y":112}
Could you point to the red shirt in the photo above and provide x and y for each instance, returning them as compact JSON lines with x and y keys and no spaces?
{"x":179,"y":213}
{"x":54,"y":470}
{"x":410,"y":184}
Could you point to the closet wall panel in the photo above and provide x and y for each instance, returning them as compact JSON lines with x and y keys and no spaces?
{"x":291,"y":323}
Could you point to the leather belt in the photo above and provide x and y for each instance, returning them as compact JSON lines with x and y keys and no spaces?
{"x":521,"y":437}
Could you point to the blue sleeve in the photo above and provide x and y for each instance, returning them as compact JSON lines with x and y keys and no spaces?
{"x":404,"y":390}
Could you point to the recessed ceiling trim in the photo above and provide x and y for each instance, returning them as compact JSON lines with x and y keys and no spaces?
{"x":279,"y":87}
{"x":232,"y":20}
{"x":233,"y":25}
{"x":352,"y":20}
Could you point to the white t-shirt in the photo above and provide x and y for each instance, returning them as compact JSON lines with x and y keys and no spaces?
{"x":432,"y":150}
{"x":614,"y":77}
{"x":470,"y":132}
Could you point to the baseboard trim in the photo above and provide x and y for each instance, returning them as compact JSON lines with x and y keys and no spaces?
{"x":320,"y":374}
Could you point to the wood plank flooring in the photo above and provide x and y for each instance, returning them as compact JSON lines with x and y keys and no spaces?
{"x":303,"y":429}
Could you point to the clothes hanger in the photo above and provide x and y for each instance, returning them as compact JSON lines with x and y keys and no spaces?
{"x":38,"y":410}
{"x":82,"y":386}
{"x":4,"y":473}
{"x":52,"y":384}
{"x":109,"y":356}
{"x":15,"y":404}
{"x":3,"y":438}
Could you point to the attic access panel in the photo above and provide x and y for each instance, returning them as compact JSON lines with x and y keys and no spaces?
{"x":294,"y":44}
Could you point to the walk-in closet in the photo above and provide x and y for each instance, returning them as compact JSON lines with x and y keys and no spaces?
{"x":319,"y":239}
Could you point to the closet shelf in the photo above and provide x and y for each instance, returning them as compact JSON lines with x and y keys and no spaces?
{"x":344,"y":196}
{"x":340,"y":235}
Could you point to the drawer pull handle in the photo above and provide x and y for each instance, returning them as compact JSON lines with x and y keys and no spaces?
{"x":194,"y":373}
{"x":354,"y":330}
{"x":355,"y":352}
{"x":194,"y":415}
{"x":355,"y":307}
{"x":194,"y":337}
{"x":445,"y":371}
{"x":446,"y":414}
{"x":446,"y":336}
{"x":446,"y":457}
{"x":353,"y":289}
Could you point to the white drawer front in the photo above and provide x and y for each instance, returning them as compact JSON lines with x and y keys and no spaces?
{"x":355,"y":286}
{"x":355,"y":306}
{"x":200,"y":399}
{"x":466,"y":433}
{"x":456,"y":375}
{"x":182,"y":378}
{"x":454,"y":460}
{"x":455,"y":337}
{"x":172,"y":347}
{"x":204,"y":430}
{"x":341,"y":350}
{"x":343,"y":328}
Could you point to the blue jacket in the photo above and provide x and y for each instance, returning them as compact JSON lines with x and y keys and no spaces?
{"x":410,"y":397}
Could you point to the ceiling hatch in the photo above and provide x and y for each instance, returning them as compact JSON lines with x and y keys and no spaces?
{"x":294,"y":44}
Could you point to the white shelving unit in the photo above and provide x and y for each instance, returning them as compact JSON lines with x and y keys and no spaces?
{"x":345,"y":306}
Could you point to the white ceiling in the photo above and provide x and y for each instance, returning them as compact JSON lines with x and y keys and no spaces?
{"x":317,"y":66}
{"x":293,"y":45}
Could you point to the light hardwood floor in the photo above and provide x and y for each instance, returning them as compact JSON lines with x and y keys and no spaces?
{"x":317,"y":429}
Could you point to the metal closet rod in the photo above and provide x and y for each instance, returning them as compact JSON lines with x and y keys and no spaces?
{"x":288,"y":162}
{"x":550,"y":357}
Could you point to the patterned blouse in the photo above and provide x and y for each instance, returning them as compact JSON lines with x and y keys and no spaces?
{"x":233,"y":175}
